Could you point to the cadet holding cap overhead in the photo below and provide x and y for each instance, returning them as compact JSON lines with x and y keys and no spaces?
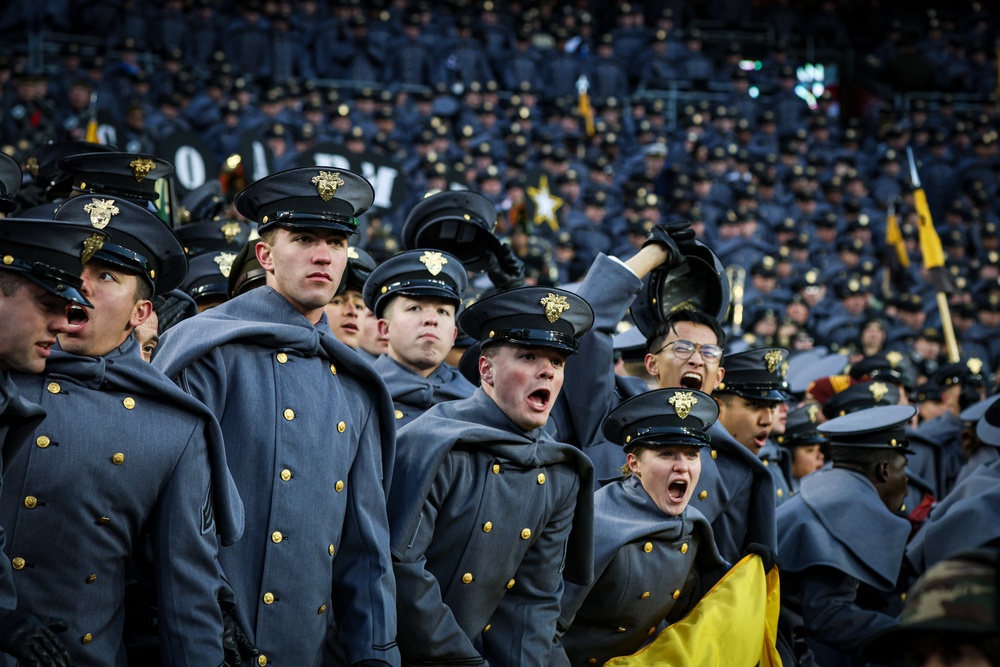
{"x":39,"y":277}
{"x":123,"y":457}
{"x":488,"y":513}
{"x":841,"y":542}
{"x":654,"y":555}
{"x":415,"y":296}
{"x":308,"y":427}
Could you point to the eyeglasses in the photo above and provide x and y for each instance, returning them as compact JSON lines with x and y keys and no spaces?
{"x":684,"y":349}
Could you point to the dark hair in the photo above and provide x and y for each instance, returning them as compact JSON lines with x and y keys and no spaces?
{"x":860,"y":459}
{"x":669,"y":325}
{"x":10,"y":282}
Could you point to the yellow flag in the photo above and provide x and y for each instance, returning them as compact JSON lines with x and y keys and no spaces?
{"x":930,"y":242}
{"x":583,"y":105}
{"x":734,"y":625}
{"x":92,"y":131}
{"x":894,"y":237}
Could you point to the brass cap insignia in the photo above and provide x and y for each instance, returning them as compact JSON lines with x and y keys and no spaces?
{"x":975,"y":365}
{"x":225,"y":261}
{"x":327,"y":183}
{"x":683,"y":401}
{"x":555,"y":306}
{"x":141,"y":166}
{"x":784,"y":369}
{"x":773,"y":358}
{"x":878,"y":390}
{"x":352,"y":253}
{"x":434,"y":261}
{"x":31,"y":166}
{"x":101,"y":211}
{"x":94,"y":243}
{"x":230,"y":231}
{"x":813,"y":412}
{"x":894,"y":358}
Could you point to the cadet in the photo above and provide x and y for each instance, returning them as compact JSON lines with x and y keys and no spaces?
{"x":346,"y":310}
{"x":654,"y":555}
{"x":121,"y":455}
{"x":308,"y":427}
{"x":488,"y":513}
{"x":806,"y":446}
{"x":840,"y":539}
{"x":39,"y":277}
{"x":415,"y":296}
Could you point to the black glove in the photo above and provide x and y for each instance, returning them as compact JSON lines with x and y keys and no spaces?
{"x":175,"y":307}
{"x":235,"y":644}
{"x":768,"y":557}
{"x":676,"y":237}
{"x":506,"y":270}
{"x":33,"y":640}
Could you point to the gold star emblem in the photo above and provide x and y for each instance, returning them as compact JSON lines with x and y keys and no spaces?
{"x":225,"y":261}
{"x":352,"y":253}
{"x":878,"y":391}
{"x":327,"y":183}
{"x":141,"y":166}
{"x":773,"y":358}
{"x":975,"y":365}
{"x":434,"y":261}
{"x":555,"y":306}
{"x":813,"y":412}
{"x":31,"y":166}
{"x":546,"y":203}
{"x":101,"y":211}
{"x":894,"y":358}
{"x":94,"y":243}
{"x":230,"y":231}
{"x":683,"y":401}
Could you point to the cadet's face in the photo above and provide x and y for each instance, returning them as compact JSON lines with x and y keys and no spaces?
{"x":420,"y":330}
{"x":148,"y":337}
{"x":894,"y":492}
{"x":748,"y":421}
{"x":941,"y":651}
{"x":344,"y":314}
{"x":668,"y":475}
{"x":524,"y":382}
{"x":693,"y":373}
{"x":371,"y":339}
{"x":807,"y":459}
{"x":94,"y":332}
{"x":32,"y":317}
{"x":305,"y":266}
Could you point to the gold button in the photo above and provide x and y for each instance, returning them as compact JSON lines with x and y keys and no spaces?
{"x":902,"y":508}
{"x":286,"y":474}
{"x":510,"y":584}
{"x":321,"y":610}
{"x":18,"y":563}
{"x":331,"y":549}
{"x":684,"y":548}
{"x":703,"y":495}
{"x":780,"y":493}
{"x":341,"y":427}
{"x":487,"y":628}
{"x":628,"y":439}
{"x":339,"y":486}
{"x":902,"y":596}
{"x":54,"y":388}
{"x":8,"y":260}
{"x":261,"y":660}
{"x":541,"y":478}
{"x":492,"y":334}
{"x":333,"y":369}
{"x":92,"y":578}
{"x":592,"y":661}
{"x":651,"y":631}
{"x":289,"y":414}
{"x":715,"y":454}
{"x":43,"y":441}
{"x":282,"y":358}
{"x":647,"y":547}
{"x":268,"y":598}
{"x":118,"y":459}
{"x":766,"y":462}
{"x":152,"y":273}
{"x":128,"y":402}
{"x":496,"y":468}
{"x":525,"y":533}
{"x":644,"y":596}
{"x":87,"y":638}
{"x":467,"y":578}
{"x":276,"y":536}
{"x":104,"y":520}
{"x":399,"y":414}
{"x":488,"y":526}
{"x":676,"y":594}
{"x":31,"y":502}
{"x":384,"y":289}
{"x":621,"y":629}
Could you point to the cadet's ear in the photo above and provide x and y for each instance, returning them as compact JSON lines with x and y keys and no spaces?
{"x":140,"y":313}
{"x":486,"y":371}
{"x":882,"y":471}
{"x":263,"y":252}
{"x":383,"y":328}
{"x":651,"y":366}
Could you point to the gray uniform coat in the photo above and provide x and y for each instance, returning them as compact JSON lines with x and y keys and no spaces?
{"x":485,"y":519}
{"x":310,"y":438}
{"x":777,"y":460}
{"x":650,"y":568}
{"x":412,"y":393}
{"x":121,"y":453}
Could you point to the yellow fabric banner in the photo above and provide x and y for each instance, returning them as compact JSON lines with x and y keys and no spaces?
{"x":894,"y":237}
{"x":734,"y":625}
{"x":930,"y":242}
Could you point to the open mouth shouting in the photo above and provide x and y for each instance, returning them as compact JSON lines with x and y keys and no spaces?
{"x":692,"y":380}
{"x":677,"y":490}
{"x":77,"y":318}
{"x":540,"y":399}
